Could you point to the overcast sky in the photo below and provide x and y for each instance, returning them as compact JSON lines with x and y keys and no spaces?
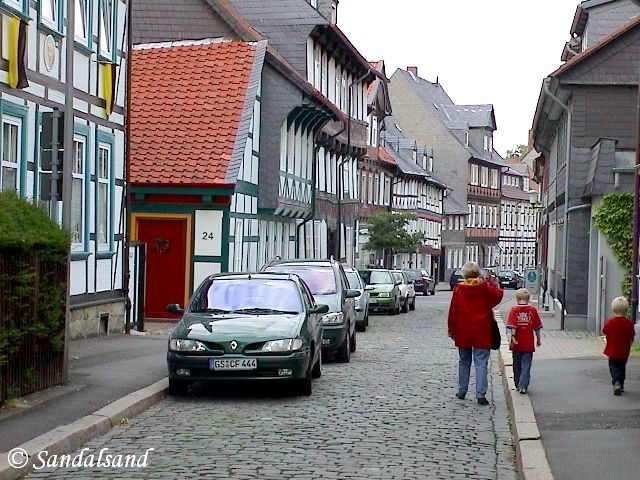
{"x":495,"y":51}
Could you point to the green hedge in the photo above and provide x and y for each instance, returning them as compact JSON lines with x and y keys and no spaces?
{"x":33,"y":262}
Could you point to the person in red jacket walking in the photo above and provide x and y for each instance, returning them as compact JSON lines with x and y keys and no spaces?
{"x":522,"y":322}
{"x":469,"y":325}
{"x":620,"y":332}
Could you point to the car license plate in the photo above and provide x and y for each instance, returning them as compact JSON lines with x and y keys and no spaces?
{"x":233,"y":364}
{"x":373,"y":300}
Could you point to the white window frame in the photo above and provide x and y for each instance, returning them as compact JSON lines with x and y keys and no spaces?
{"x":47,"y":17}
{"x":474,"y":174}
{"x":106,"y":42}
{"x":484,"y":176}
{"x":494,"y":178}
{"x":101,"y":180}
{"x":6,"y":164}
{"x":466,"y":139}
{"x":78,"y":174}
{"x":83,"y":34}
{"x":17,"y":4}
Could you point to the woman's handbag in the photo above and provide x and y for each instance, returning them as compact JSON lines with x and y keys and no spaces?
{"x":495,"y":335}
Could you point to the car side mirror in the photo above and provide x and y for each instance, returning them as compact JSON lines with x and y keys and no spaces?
{"x":174,"y":308}
{"x":369,"y":287}
{"x":320,"y":308}
{"x":352,"y":293}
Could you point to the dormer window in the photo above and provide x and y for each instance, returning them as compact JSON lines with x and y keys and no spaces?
{"x":488,"y":143}
{"x":314,"y":4}
{"x":466,"y":139}
{"x":415,"y":155}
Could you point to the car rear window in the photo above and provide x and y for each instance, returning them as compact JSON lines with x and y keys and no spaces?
{"x":230,"y":295}
{"x":376,"y":277}
{"x":413,"y":274}
{"x":320,"y":280}
{"x":398,"y":276}
{"x":354,"y":281}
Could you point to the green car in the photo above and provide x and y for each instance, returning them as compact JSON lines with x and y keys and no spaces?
{"x":384,"y":291}
{"x":258,"y":326}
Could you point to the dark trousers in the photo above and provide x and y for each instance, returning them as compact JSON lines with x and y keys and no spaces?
{"x":618,"y":368}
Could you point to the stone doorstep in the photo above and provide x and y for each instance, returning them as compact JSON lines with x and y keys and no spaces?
{"x":68,"y":438}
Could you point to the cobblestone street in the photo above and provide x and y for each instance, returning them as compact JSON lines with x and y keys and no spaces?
{"x":390,"y":413}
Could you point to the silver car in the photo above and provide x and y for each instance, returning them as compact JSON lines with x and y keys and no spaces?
{"x":407,"y":291}
{"x":361,"y":303}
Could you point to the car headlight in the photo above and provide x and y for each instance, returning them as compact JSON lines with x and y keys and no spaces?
{"x":285,"y":345}
{"x":181,"y":345}
{"x":335,"y":318}
{"x":384,"y":295}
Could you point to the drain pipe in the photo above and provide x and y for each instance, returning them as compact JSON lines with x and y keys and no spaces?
{"x":567,"y":170}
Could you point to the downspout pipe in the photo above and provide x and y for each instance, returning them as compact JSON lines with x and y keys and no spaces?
{"x":340,"y":163}
{"x":636,"y":226}
{"x":67,"y":169}
{"x":567,"y":171}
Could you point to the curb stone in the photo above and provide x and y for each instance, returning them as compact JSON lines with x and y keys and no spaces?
{"x":530,"y":455}
{"x":69,"y":438}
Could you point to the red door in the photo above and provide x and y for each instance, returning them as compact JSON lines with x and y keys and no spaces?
{"x":165,"y":241}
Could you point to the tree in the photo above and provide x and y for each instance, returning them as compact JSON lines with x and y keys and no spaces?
{"x":520,"y":151}
{"x":387,"y":232}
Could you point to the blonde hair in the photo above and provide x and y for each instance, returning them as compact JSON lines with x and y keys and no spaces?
{"x":523,"y":295}
{"x":470,"y":270}
{"x":620,"y":305}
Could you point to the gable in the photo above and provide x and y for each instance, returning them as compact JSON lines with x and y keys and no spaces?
{"x":616,"y":62}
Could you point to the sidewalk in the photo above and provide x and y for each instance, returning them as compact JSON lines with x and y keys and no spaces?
{"x":586,"y":431}
{"x":101,"y":370}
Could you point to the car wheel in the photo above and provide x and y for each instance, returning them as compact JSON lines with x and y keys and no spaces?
{"x":304,"y":386}
{"x":405,"y":305}
{"x":317,"y":368}
{"x":412,"y":305}
{"x":366,"y":320}
{"x":361,"y":326}
{"x":344,"y":352}
{"x":178,"y":388}
{"x":352,"y":344}
{"x":433,"y":292}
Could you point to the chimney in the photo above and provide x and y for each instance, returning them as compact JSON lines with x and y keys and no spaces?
{"x":413,"y":70}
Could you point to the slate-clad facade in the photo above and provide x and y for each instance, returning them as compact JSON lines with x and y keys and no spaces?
{"x":462,"y":140}
{"x":599,"y":88}
{"x":31,"y":86}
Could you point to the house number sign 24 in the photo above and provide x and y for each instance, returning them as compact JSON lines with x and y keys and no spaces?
{"x":208,"y":233}
{"x":208,"y":236}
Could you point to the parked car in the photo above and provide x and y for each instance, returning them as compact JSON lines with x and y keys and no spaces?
{"x":384,"y":293}
{"x":328,"y":284}
{"x":510,"y":279}
{"x":407,"y":291}
{"x":247,"y":327}
{"x":422,"y":281}
{"x":361,"y":303}
{"x":456,"y":278}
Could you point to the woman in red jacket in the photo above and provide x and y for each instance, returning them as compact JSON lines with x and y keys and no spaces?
{"x":470,"y":317}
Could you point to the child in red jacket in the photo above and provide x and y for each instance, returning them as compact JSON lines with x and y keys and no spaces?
{"x":523,"y":321}
{"x":620,"y":332}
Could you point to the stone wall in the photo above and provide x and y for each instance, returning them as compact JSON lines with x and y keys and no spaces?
{"x":95,"y":320}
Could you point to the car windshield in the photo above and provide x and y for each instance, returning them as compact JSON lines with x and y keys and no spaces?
{"x":398,"y":276}
{"x":354,"y":281}
{"x":506,"y":274}
{"x":413,"y":274}
{"x":249,"y":296}
{"x":376,"y":277}
{"x":320,"y":280}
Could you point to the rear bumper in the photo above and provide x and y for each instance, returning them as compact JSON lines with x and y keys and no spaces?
{"x":268,"y":367}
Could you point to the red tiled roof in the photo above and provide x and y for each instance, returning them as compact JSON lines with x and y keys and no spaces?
{"x":385,"y":156}
{"x":187,"y":101}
